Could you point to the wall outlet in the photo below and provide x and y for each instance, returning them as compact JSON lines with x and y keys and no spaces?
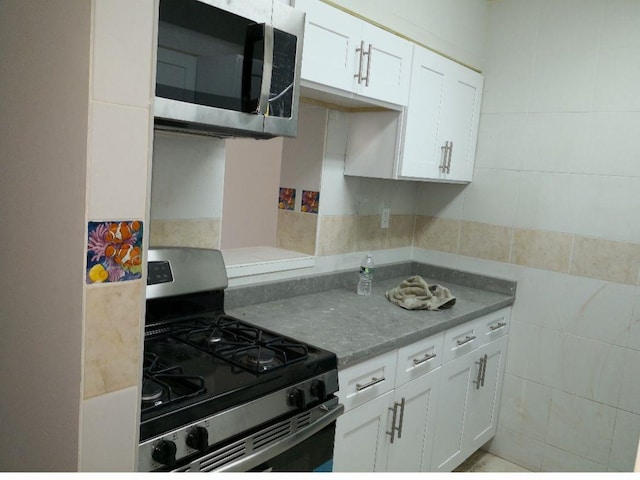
{"x":384,"y":218}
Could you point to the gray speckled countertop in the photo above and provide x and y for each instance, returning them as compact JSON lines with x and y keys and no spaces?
{"x":357,"y":328}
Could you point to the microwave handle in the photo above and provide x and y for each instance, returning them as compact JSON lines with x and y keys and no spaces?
{"x":267,"y":70}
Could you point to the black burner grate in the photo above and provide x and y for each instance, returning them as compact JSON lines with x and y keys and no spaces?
{"x":164,"y":385}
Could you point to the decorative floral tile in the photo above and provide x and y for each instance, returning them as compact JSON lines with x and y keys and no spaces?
{"x":114,"y":251}
{"x":310,"y":201}
{"x":287,"y":199}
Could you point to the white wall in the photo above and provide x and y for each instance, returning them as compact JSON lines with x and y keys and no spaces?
{"x":44,"y":114}
{"x":557,"y":164}
{"x":251,"y":183}
{"x":188,"y":176}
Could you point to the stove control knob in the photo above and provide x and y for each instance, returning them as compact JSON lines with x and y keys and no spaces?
{"x":297,"y":398}
{"x":164,"y":452}
{"x":318,"y":389}
{"x":198,"y":438}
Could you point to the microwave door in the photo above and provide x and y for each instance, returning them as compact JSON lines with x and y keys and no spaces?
{"x":282,"y":116}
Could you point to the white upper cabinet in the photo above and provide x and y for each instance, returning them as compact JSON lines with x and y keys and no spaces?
{"x":441,"y":125}
{"x":343,"y":52}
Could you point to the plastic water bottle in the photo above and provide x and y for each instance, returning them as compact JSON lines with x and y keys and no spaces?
{"x":367,"y":269}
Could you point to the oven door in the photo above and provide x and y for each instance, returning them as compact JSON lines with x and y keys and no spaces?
{"x":315,"y":454}
{"x":302,"y":443}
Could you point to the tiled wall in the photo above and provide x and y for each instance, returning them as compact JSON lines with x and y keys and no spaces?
{"x":554,"y":204}
{"x":117,"y":190}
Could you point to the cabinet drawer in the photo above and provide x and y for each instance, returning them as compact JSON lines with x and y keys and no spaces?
{"x":495,"y":325}
{"x":474,"y":334}
{"x":460,"y":340}
{"x":367,"y":380}
{"x":419,"y":358}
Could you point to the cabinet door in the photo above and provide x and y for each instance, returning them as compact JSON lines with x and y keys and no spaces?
{"x":421,"y":153}
{"x":484,"y":401}
{"x":460,"y":118}
{"x":386,"y":62}
{"x":331,"y":38}
{"x":411,"y":449}
{"x":361,"y":443}
{"x":448,"y":444}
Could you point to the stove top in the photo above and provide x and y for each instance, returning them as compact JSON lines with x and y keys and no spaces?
{"x":208,"y":370}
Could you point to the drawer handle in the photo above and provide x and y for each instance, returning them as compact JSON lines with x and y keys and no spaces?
{"x":498,"y":325}
{"x":374,"y":381}
{"x":465,"y":340}
{"x":426,"y":358}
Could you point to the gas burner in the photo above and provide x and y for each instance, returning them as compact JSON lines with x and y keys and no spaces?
{"x":259,"y":358}
{"x":151,"y":391}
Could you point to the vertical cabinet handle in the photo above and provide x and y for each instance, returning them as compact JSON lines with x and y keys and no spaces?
{"x":479,"y":376}
{"x":361,"y":51}
{"x":449,"y":157}
{"x":401,"y":418}
{"x":393,"y":421}
{"x":366,"y":79}
{"x":395,"y":429}
{"x":443,"y":157}
{"x":482,"y":371}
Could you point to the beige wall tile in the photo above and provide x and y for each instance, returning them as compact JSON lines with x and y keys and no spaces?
{"x":434,"y":233}
{"x":400,"y":232}
{"x":112,"y":337}
{"x":201,"y":233}
{"x":297,"y":231}
{"x":606,"y":260}
{"x":369,"y":235}
{"x":486,"y":241}
{"x":540,"y":249}
{"x":337,"y":234}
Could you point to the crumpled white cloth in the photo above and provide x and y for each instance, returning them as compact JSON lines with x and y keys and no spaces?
{"x":415,"y":294}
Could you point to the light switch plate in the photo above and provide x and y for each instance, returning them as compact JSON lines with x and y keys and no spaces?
{"x":384,"y":218}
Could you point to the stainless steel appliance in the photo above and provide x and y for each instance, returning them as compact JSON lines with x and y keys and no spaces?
{"x":228,"y":67}
{"x":221,"y":394}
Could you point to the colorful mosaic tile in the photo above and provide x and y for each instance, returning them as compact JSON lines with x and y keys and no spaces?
{"x":287,"y":199}
{"x":114,"y":251}
{"x":310,"y":201}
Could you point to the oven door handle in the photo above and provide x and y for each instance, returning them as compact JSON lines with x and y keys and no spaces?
{"x":250,"y":461}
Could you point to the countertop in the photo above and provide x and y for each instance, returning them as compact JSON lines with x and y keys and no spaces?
{"x":356,"y":327}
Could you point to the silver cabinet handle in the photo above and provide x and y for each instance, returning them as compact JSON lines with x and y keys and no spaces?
{"x":484,"y":369}
{"x":449,"y":157}
{"x":366,"y":79}
{"x":393,"y":421}
{"x":401,"y":423}
{"x":374,"y":381}
{"x":361,"y":50}
{"x":395,"y":429}
{"x":426,"y":358}
{"x":498,"y":325}
{"x":443,"y":157}
{"x":465,"y":340}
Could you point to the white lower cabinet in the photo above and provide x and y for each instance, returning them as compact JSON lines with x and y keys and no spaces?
{"x":361,"y":444}
{"x":427,"y":406}
{"x":415,"y":404}
{"x":470,"y":388}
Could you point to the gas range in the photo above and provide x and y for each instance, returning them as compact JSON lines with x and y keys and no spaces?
{"x":219,"y":393}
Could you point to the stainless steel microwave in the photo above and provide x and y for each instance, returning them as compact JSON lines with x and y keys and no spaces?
{"x":228,"y":68}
